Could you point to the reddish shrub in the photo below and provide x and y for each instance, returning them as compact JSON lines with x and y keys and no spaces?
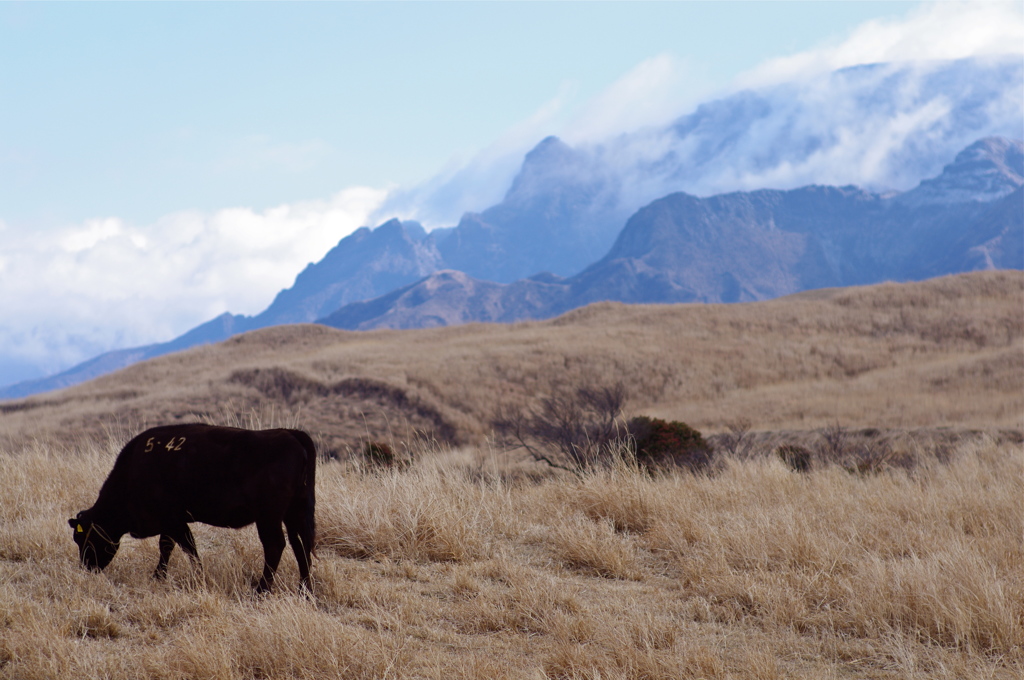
{"x":663,"y":445}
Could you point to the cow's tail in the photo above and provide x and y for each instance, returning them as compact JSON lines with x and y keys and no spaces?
{"x":308,"y":499}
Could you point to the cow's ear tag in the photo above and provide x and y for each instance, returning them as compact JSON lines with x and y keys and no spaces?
{"x":79,"y":529}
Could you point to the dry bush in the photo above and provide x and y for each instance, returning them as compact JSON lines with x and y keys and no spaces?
{"x":834,"y":442}
{"x":382,"y":456}
{"x":796,"y":457}
{"x":735,"y":441}
{"x":572,"y":428}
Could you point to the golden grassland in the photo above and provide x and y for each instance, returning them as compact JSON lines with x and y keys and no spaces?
{"x":449,"y":570}
{"x":942,"y":353}
{"x":477,"y":563}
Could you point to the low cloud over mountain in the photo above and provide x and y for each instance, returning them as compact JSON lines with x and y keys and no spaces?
{"x":747,"y":246}
{"x":814,"y":182}
{"x":881,"y":127}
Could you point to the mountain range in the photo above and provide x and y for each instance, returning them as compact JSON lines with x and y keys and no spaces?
{"x":583,"y":224}
{"x":748,"y":246}
{"x":883,"y":127}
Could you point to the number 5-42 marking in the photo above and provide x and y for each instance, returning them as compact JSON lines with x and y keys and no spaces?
{"x":174,"y":445}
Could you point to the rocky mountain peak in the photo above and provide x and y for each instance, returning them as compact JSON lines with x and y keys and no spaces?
{"x":987,"y":170}
{"x":550,"y":167}
{"x":396,"y":229}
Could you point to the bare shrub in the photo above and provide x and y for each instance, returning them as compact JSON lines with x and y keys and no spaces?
{"x":866,"y":461}
{"x":834,"y":440}
{"x":570,"y":429}
{"x":736,"y":440}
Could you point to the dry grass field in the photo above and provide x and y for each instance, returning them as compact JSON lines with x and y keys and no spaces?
{"x":449,"y":570}
{"x":475,"y":562}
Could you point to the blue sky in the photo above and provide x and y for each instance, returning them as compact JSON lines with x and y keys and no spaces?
{"x":137,"y":110}
{"x":162,"y":163}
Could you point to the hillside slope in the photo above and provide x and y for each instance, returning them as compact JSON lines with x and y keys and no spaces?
{"x":940,"y":353}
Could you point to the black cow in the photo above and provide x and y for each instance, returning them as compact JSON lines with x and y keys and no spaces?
{"x":169,"y":476}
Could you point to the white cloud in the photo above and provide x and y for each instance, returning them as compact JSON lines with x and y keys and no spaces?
{"x":662,"y":88}
{"x":104,"y":284}
{"x":649,"y":94}
{"x":880,"y":127}
{"x":933,"y":31}
{"x":810,"y":118}
{"x":476,"y":183}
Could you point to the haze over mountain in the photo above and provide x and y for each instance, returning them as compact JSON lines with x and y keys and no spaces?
{"x":748,"y":246}
{"x":885,"y":126}
{"x":882,"y":127}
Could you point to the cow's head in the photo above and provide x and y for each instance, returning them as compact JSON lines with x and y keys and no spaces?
{"x":95,"y":547}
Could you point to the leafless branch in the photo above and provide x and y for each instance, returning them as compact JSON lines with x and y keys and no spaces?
{"x":567,"y":429}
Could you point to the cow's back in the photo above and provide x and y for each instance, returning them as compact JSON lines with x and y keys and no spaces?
{"x":216,"y":475}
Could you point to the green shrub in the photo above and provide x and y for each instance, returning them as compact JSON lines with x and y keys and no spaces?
{"x":662,"y":445}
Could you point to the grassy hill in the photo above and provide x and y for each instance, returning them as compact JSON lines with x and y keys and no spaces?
{"x":941,"y":353}
{"x":464,"y":566}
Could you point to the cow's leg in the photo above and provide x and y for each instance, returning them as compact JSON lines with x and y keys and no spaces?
{"x":183,"y":535}
{"x":166,"y":547}
{"x":301,"y":534}
{"x":301,"y":524}
{"x":273,"y":545}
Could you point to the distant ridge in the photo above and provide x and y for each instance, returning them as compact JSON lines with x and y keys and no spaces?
{"x":364,"y":265}
{"x":748,"y":246}
{"x":215,"y":330}
{"x":449,"y":298}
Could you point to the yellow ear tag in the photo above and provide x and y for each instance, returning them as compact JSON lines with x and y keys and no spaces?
{"x":80,"y":529}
